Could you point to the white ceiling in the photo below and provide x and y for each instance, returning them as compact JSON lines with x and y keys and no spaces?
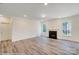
{"x":36,"y":10}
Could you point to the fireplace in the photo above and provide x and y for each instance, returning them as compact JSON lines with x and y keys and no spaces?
{"x":53,"y":34}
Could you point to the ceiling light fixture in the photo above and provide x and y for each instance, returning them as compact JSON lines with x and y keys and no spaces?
{"x":25,"y":15}
{"x":45,"y":4}
{"x":43,"y":15}
{"x":1,"y":15}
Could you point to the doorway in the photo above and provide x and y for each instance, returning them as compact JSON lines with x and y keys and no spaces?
{"x":5,"y":35}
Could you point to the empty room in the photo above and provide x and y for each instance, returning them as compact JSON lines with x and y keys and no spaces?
{"x":39,"y":29}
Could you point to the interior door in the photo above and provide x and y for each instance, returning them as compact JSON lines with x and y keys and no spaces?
{"x":5,"y":29}
{"x":5,"y":35}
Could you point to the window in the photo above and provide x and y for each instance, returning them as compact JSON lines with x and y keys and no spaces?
{"x":43,"y":27}
{"x":67,"y":28}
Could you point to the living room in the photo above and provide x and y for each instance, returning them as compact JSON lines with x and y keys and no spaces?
{"x":39,"y":29}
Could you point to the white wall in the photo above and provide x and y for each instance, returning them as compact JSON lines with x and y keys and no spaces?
{"x":56,"y":24}
{"x":25,"y":28}
{"x":75,"y":28}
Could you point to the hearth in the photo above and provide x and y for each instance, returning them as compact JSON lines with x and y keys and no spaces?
{"x":53,"y":34}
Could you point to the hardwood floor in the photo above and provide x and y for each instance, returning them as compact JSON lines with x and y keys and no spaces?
{"x":43,"y":46}
{"x":6,"y":47}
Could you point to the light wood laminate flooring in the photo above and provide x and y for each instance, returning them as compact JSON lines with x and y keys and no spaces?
{"x":41,"y":46}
